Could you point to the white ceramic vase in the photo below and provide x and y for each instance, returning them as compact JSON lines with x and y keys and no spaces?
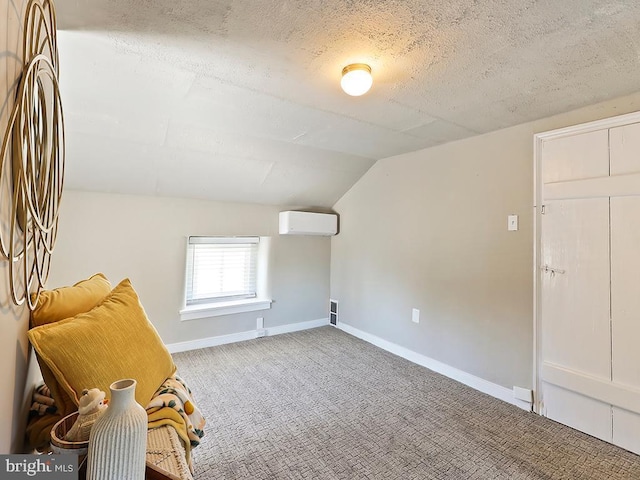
{"x":118,"y":439}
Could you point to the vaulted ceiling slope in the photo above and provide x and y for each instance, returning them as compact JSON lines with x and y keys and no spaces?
{"x":239,"y":100}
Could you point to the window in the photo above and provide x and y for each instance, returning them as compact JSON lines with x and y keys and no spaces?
{"x":225,"y":275}
{"x":221,"y":269}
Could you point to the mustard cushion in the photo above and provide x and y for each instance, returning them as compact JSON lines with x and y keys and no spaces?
{"x":60,"y":303}
{"x":63,"y":402}
{"x":113,"y":341}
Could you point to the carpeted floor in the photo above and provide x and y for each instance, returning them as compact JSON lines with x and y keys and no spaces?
{"x":321,"y":404}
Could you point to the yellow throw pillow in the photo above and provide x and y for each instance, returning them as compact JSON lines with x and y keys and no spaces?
{"x":64,"y":302}
{"x":113,"y":341}
{"x":58,"y":304}
{"x":61,"y":398}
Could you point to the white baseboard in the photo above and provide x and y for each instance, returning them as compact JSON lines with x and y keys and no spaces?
{"x":472,"y":381}
{"x":241,"y":336}
{"x":210,"y":341}
{"x":296,"y":327}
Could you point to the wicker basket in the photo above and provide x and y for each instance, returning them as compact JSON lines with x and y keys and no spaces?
{"x":59,"y":430}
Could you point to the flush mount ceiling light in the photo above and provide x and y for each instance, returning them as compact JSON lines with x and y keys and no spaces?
{"x":356,"y":79}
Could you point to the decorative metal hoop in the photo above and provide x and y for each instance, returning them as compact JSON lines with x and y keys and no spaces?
{"x":34,"y":144}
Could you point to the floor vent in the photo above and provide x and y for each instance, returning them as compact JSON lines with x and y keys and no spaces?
{"x":333,"y":312}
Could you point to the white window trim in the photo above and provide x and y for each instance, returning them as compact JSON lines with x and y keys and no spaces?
{"x":195,"y":312}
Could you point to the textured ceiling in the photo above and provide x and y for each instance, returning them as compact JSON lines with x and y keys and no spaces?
{"x":240,"y":100}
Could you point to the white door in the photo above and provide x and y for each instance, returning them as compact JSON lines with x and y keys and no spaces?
{"x":589,"y":284}
{"x":625,"y":286}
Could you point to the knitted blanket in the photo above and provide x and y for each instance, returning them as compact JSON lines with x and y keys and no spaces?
{"x":42,"y":402}
{"x":173,"y":405}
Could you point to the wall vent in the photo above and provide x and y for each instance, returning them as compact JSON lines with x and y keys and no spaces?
{"x":333,"y":312}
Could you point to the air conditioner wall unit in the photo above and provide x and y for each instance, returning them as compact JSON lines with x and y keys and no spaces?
{"x":308,"y":223}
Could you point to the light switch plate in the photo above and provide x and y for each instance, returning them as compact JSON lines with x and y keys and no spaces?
{"x":512,"y":223}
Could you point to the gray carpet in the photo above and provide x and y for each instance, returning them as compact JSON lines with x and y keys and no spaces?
{"x":321,"y":404}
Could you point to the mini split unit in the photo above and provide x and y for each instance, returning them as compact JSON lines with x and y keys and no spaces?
{"x":308,"y":223}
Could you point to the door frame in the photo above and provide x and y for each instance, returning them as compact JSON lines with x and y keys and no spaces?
{"x":538,"y":142}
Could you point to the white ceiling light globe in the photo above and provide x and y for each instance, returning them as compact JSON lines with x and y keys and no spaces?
{"x":356,"y":79}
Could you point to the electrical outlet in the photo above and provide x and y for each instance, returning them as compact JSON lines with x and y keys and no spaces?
{"x":415,"y":315}
{"x":260,"y":323}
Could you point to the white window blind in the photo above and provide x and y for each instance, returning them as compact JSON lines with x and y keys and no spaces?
{"x":221,"y":269}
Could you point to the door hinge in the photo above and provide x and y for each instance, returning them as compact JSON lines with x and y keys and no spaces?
{"x":551,"y":270}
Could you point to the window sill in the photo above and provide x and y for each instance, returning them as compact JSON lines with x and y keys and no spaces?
{"x":196,"y":312}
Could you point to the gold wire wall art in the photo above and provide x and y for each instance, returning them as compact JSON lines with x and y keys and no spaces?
{"x":32,"y":160}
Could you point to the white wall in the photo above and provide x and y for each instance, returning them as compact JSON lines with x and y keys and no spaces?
{"x":17,"y":373}
{"x":428,"y":230}
{"x":144,"y":238}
